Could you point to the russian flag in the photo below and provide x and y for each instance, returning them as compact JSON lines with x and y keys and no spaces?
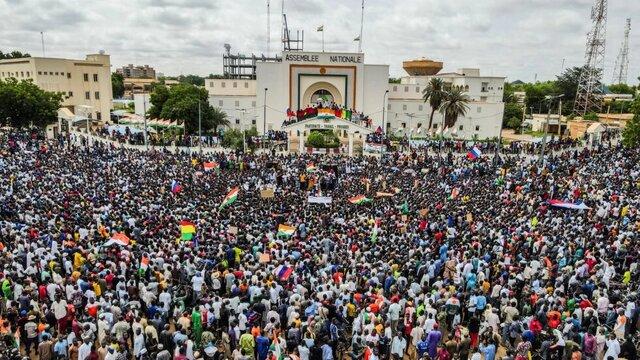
{"x":474,"y":153}
{"x":175,"y":187}
{"x":284,"y":272}
{"x":579,"y":205}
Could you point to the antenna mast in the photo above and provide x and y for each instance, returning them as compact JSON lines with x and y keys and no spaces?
{"x":621,"y":67}
{"x":268,"y":27}
{"x":361,"y":25}
{"x":589,"y":94}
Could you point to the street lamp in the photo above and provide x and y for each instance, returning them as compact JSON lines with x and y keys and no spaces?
{"x":199,"y":128}
{"x":264,"y":117}
{"x":546,"y":125}
{"x":384,"y":97}
{"x":244,"y":140}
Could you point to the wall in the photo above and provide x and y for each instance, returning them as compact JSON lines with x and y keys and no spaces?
{"x":274,"y":77}
{"x":230,"y":87}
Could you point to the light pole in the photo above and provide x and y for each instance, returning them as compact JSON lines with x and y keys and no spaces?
{"x":384,"y":106}
{"x":264,"y":117}
{"x":199,"y":128}
{"x":546,"y":125}
{"x":244,"y":139}
{"x":144,"y":117}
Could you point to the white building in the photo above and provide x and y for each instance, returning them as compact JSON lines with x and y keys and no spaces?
{"x":300,"y":77}
{"x":85,"y":84}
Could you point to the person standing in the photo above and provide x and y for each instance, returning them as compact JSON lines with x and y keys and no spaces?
{"x":398,"y":346}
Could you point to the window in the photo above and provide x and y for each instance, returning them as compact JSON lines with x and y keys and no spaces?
{"x":253,"y":122}
{"x":404,"y":107}
{"x":220,"y":102}
{"x":395,"y":88}
{"x":210,"y":83}
{"x":406,"y":89}
{"x":95,"y":77}
{"x":86,"y":77}
{"x":404,"y":125}
{"x":99,"y":116}
{"x":435,"y":126}
{"x":419,"y":125}
{"x":388,"y":106}
{"x":21,"y":73}
{"x":388,"y":125}
{"x":68,"y":75}
{"x":223,"y":84}
{"x":485,"y":87}
{"x":417,"y":89}
{"x":246,"y":85}
{"x":483,"y":98}
{"x":237,"y":103}
{"x":97,"y":95}
{"x":235,"y":84}
{"x":39,"y":72}
{"x":61,"y":74}
{"x":477,"y":127}
{"x":237,"y":121}
{"x":253,"y":103}
{"x":70,"y":93}
{"x":28,"y":74}
{"x":420,"y":107}
{"x":460,"y":127}
{"x":479,"y":109}
{"x":87,"y":95}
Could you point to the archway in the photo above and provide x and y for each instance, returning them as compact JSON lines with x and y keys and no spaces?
{"x":321,"y":88}
{"x":322,"y":95}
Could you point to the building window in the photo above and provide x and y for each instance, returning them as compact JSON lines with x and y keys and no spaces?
{"x":224,"y":84}
{"x":395,"y":88}
{"x":97,"y":95}
{"x":237,"y":121}
{"x":70,"y":93}
{"x":210,"y":83}
{"x":419,"y":125}
{"x":435,"y":126}
{"x":483,"y":98}
{"x":99,"y":116}
{"x":21,"y":73}
{"x":68,"y":75}
{"x":28,"y":74}
{"x":95,"y":77}
{"x":406,"y":89}
{"x":477,"y":127}
{"x":404,"y":125}
{"x":253,"y":104}
{"x":39,"y":72}
{"x":86,"y":77}
{"x":460,"y":127}
{"x":87,"y":95}
{"x":417,"y":89}
{"x":246,"y":85}
{"x":220,"y":102}
{"x":235,"y":84}
{"x":237,"y":103}
{"x":485,"y":87}
{"x":253,"y":122}
{"x":420,"y":107}
{"x":388,"y":125}
{"x":404,"y":107}
{"x":479,"y":109}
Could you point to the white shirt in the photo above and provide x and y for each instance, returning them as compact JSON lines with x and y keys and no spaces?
{"x":398,"y":345}
{"x":59,"y":309}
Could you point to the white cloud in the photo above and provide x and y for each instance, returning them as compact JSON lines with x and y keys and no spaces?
{"x":504,"y":37}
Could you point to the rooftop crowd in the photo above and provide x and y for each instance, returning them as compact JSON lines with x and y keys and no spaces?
{"x":324,"y":107}
{"x":456,"y":259}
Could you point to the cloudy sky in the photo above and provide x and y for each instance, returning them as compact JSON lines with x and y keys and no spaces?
{"x":514,"y":38}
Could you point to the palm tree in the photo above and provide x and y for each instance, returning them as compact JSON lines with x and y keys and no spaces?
{"x":435,"y":95}
{"x":453,"y":106}
{"x":218,"y":118}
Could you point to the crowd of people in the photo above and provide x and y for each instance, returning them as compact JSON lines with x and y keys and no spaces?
{"x":404,"y":257}
{"x":327,"y":109}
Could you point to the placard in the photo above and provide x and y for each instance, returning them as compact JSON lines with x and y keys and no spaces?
{"x":233,"y":230}
{"x":267,"y":194}
{"x":320,"y":199}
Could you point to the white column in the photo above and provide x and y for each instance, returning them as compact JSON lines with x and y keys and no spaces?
{"x":301,"y":142}
{"x":289,"y":141}
{"x":350,"y":135}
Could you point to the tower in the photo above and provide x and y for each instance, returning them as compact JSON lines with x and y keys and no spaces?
{"x":622,"y":61}
{"x":589,"y":94}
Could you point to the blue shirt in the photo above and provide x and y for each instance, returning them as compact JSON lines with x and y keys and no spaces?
{"x":262,"y":346}
{"x":60,"y":347}
{"x":423,"y":346}
{"x":481,"y":302}
{"x":488,"y":351}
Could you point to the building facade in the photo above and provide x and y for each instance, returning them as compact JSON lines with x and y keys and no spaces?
{"x":85,"y":84}
{"x":131,"y":71}
{"x":300,"y":78}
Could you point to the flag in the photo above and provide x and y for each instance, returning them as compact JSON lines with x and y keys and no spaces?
{"x":285,"y":230}
{"x":187,"y":229}
{"x":118,"y":239}
{"x":579,"y":205}
{"x":208,"y":166}
{"x":383,"y":194}
{"x":283,"y":272}
{"x":231,"y":197}
{"x":474,"y":153}
{"x":144,"y":265}
{"x":311,"y":167}
{"x":359,"y":199}
{"x":175,"y":187}
{"x":454,"y":193}
{"x":357,"y":38}
{"x":320,"y":28}
{"x":374,"y":232}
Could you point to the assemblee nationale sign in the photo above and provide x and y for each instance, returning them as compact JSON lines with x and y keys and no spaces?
{"x":316,"y":58}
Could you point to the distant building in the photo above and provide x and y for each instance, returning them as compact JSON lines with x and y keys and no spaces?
{"x":85,"y":84}
{"x":131,"y":71}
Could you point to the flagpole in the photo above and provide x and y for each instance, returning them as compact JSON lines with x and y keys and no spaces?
{"x":322,"y":38}
{"x":361,"y":22}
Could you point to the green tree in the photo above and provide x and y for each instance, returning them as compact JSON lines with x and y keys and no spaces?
{"x":191,"y":79}
{"x":514,"y":123}
{"x":536,"y":93}
{"x":394,"y":80}
{"x":567,"y":84}
{"x":315,"y":139}
{"x":622,"y":89}
{"x":158,"y":98}
{"x":117,"y":85}
{"x":512,"y":110}
{"x":590,"y":116}
{"x":13,"y":55}
{"x":24,"y":103}
{"x":435,"y":94}
{"x":631,"y":132}
{"x":454,"y":106}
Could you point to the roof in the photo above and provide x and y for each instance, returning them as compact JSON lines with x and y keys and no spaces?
{"x":596,"y":128}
